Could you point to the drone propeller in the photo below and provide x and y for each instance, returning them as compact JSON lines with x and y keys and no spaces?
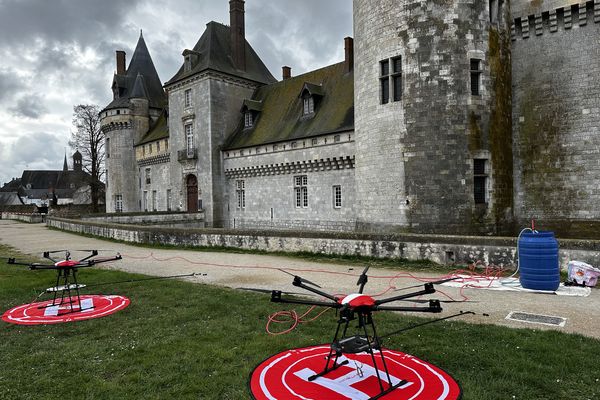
{"x":363,"y":279}
{"x":299,"y":279}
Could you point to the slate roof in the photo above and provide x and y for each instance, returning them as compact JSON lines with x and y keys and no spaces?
{"x":213,"y":52}
{"x":159,"y":130}
{"x":140,"y":64}
{"x":281,"y":116}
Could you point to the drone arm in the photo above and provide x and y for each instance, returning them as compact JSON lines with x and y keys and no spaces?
{"x":298,"y":282}
{"x":93,"y":254}
{"x":14,"y":262}
{"x":35,"y":266}
{"x":276,"y":298}
{"x":101,"y":260}
{"x":434,"y":307}
{"x":428,"y":290}
{"x":46,"y":254}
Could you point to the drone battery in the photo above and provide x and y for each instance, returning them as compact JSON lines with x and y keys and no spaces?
{"x":353,"y":345}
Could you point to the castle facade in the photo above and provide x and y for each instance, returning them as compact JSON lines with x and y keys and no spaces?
{"x":449,"y":117}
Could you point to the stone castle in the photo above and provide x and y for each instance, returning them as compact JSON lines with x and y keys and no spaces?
{"x":447,"y":116}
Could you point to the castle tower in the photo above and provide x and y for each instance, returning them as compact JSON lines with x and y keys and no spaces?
{"x":556,"y":113}
{"x":432,"y":111}
{"x":205,"y":98}
{"x":138,"y":101}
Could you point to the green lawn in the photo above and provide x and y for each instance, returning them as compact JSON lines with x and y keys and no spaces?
{"x":179,"y":340}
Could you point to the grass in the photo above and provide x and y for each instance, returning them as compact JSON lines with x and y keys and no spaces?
{"x":179,"y":340}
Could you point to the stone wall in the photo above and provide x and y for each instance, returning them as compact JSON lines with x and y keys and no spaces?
{"x":437,"y":248}
{"x":268,"y":174}
{"x":162,"y":219}
{"x":556,"y":112}
{"x":24,"y":217}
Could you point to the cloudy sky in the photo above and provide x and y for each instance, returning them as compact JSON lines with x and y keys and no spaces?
{"x":55,"y":54}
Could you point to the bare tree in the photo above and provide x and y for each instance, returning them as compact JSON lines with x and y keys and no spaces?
{"x":88,"y":138}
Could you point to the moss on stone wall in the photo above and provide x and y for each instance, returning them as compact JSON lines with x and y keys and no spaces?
{"x":500,"y":128}
{"x":542,"y":156}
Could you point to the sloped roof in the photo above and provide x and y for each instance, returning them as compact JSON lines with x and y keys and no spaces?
{"x":160,"y":130}
{"x":213,"y":51}
{"x":281,"y":116}
{"x":140,"y":64}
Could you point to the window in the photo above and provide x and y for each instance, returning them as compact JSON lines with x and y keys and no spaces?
{"x":475,"y":76}
{"x":148,"y":180}
{"x":294,"y":145}
{"x":241,"y":194}
{"x":107,"y":150}
{"x":301,"y":191}
{"x":166,"y":145}
{"x":158,"y":147}
{"x":145,"y":199}
{"x":390,"y":79}
{"x":188,"y":98}
{"x":308,"y":105}
{"x":337,"y":196}
{"x":315,"y":141}
{"x":248,"y":119}
{"x":480,"y":181}
{"x":154,"y":205}
{"x":397,"y":78}
{"x":169,"y":200}
{"x":150,"y":148}
{"x":189,"y":137}
{"x":118,"y":203}
{"x":336,"y":138}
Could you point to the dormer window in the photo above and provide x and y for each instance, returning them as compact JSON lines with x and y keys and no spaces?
{"x":251,"y":110}
{"x":310,"y":94}
{"x":188,"y":63}
{"x":308,"y":105}
{"x":248,"y":120}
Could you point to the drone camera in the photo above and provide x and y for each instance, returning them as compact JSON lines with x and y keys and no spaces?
{"x":94,"y":252}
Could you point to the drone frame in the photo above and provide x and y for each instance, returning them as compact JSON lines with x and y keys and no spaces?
{"x":66,"y":277}
{"x":358,"y":343}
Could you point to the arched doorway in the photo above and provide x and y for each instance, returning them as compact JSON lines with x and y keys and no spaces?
{"x":192,"y":193}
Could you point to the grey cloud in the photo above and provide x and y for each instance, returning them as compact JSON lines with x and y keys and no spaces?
{"x":29,"y":106}
{"x":60,"y":20}
{"x":8,"y":86}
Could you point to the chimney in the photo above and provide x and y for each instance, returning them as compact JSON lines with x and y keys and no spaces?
{"x":349,"y":53}
{"x":120,"y":62}
{"x":286,"y":72}
{"x":238,"y":35}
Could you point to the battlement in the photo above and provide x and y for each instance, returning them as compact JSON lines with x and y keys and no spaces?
{"x":561,"y":18}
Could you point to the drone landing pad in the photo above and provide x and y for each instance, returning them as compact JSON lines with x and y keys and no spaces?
{"x":285,"y":376}
{"x":92,"y":306}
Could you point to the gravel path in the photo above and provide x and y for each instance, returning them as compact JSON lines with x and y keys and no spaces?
{"x":261,"y":272}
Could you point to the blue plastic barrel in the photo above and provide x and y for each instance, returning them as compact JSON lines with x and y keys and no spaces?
{"x":538,"y":261}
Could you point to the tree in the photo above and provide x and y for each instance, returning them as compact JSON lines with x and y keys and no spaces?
{"x":88,"y":138}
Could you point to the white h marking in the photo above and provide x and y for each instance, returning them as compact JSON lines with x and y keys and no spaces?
{"x":342,"y":384}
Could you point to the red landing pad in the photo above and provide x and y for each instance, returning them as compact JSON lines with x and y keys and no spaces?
{"x":285,"y":376}
{"x":92,"y":306}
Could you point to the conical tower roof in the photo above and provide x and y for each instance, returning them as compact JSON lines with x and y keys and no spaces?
{"x":141,"y":64}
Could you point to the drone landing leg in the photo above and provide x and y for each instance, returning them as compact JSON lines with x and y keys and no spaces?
{"x":368,"y":320}
{"x":335,"y":365}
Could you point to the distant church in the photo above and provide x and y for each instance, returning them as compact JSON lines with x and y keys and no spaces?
{"x":449,"y":117}
{"x":50,"y":187}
